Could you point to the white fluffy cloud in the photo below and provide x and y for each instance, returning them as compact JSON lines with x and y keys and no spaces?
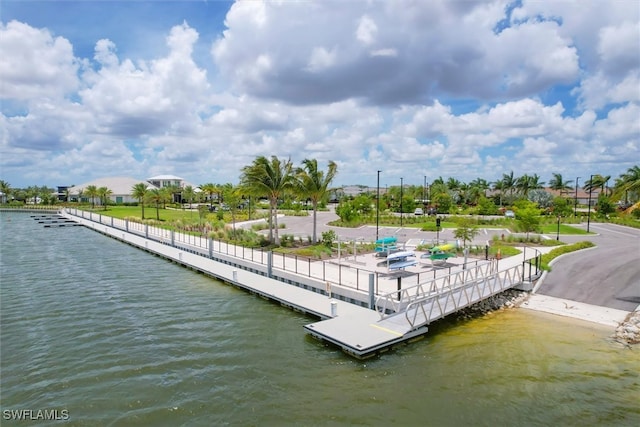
{"x":438,"y":88}
{"x":386,"y":55}
{"x":35,"y":64}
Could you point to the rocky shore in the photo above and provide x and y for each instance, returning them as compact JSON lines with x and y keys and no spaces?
{"x":628,"y":332}
{"x":508,"y":299}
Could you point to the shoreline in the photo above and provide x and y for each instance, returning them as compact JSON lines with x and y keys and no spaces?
{"x":563,"y":307}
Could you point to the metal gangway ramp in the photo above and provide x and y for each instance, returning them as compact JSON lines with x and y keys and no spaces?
{"x":405,"y":314}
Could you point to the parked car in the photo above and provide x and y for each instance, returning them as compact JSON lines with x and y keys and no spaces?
{"x":418,"y":211}
{"x":509,"y":214}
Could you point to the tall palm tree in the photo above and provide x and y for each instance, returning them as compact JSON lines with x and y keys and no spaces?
{"x":156,"y":196}
{"x":498,"y":186}
{"x":167,"y":196}
{"x":232,"y":196}
{"x":476,"y":188}
{"x":600,"y":181}
{"x":271,"y":178}
{"x":5,"y":189}
{"x":139,"y":191}
{"x":314,"y":184}
{"x":188,"y":193}
{"x":210,"y":189}
{"x":91,"y":191}
{"x":103,"y":194}
{"x":525,"y":183}
{"x":559,"y":184}
{"x":453,"y":184}
{"x":596,"y":181}
{"x":508,"y":182}
{"x":628,"y":182}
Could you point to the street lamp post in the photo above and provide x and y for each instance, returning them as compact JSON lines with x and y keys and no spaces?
{"x":378,"y":205}
{"x":589,"y":207}
{"x":400,"y":202}
{"x":558,"y":231}
{"x":424,"y":193}
{"x":575,"y":207}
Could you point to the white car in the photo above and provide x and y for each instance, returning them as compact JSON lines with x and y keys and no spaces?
{"x":418,"y":211}
{"x":509,"y":214}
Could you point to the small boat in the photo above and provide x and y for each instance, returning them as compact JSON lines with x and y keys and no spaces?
{"x":401,"y":260}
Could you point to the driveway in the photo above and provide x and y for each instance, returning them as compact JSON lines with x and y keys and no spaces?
{"x":607,"y":276}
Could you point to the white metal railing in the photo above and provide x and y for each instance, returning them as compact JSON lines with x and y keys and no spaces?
{"x":429,"y":301}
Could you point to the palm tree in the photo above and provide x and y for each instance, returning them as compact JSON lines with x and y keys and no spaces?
{"x":535,"y":183}
{"x":559,"y":184}
{"x":272,"y":179}
{"x":92,"y":192}
{"x":476,"y":188}
{"x":232,"y":196}
{"x":167,"y":196}
{"x":628,"y":182}
{"x":209,"y":189}
{"x":526,"y":183}
{"x":508,"y":183}
{"x":596,"y":181}
{"x":103,"y":194}
{"x":188,"y":194}
{"x":156,"y":196}
{"x":497,"y":186}
{"x":314,"y":184}
{"x":139,"y":191}
{"x":5,"y":189}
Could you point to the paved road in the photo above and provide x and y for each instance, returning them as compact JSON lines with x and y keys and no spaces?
{"x":608,"y":276}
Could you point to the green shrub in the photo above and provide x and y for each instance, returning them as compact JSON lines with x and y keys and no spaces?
{"x":561,"y":250}
{"x":328,"y":237}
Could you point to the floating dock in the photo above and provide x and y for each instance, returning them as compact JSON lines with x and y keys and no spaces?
{"x":55,"y":220}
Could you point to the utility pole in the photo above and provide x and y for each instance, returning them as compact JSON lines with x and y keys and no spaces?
{"x":400,"y":202}
{"x":575,"y":207}
{"x":378,"y":206}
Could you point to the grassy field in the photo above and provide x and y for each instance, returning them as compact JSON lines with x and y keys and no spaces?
{"x":564,"y":229}
{"x":149,"y":213}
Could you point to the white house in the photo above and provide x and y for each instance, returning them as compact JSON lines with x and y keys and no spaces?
{"x":121,"y":189}
{"x":162,"y":181}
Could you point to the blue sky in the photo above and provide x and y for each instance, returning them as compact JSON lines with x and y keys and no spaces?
{"x":198,"y":89}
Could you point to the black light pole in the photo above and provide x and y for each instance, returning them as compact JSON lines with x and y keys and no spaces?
{"x":400,"y":202}
{"x":378,"y":206}
{"x":575,"y":208}
{"x":424,"y":193}
{"x":558,"y":232}
{"x":589,"y":207}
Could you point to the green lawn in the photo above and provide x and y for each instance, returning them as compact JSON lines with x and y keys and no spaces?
{"x":564,"y":229}
{"x":149,"y":213}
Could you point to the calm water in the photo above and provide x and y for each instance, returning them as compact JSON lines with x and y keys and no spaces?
{"x":118,"y":337}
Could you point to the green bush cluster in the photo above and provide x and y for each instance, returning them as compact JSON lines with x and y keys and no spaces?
{"x":565,"y":249}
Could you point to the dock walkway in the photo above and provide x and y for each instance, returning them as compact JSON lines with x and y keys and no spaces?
{"x":361,"y":331}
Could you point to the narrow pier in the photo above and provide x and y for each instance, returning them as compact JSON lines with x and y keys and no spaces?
{"x":54,"y":220}
{"x":392,"y":317}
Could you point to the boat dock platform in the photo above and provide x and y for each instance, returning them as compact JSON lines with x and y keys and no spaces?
{"x":397,"y":315}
